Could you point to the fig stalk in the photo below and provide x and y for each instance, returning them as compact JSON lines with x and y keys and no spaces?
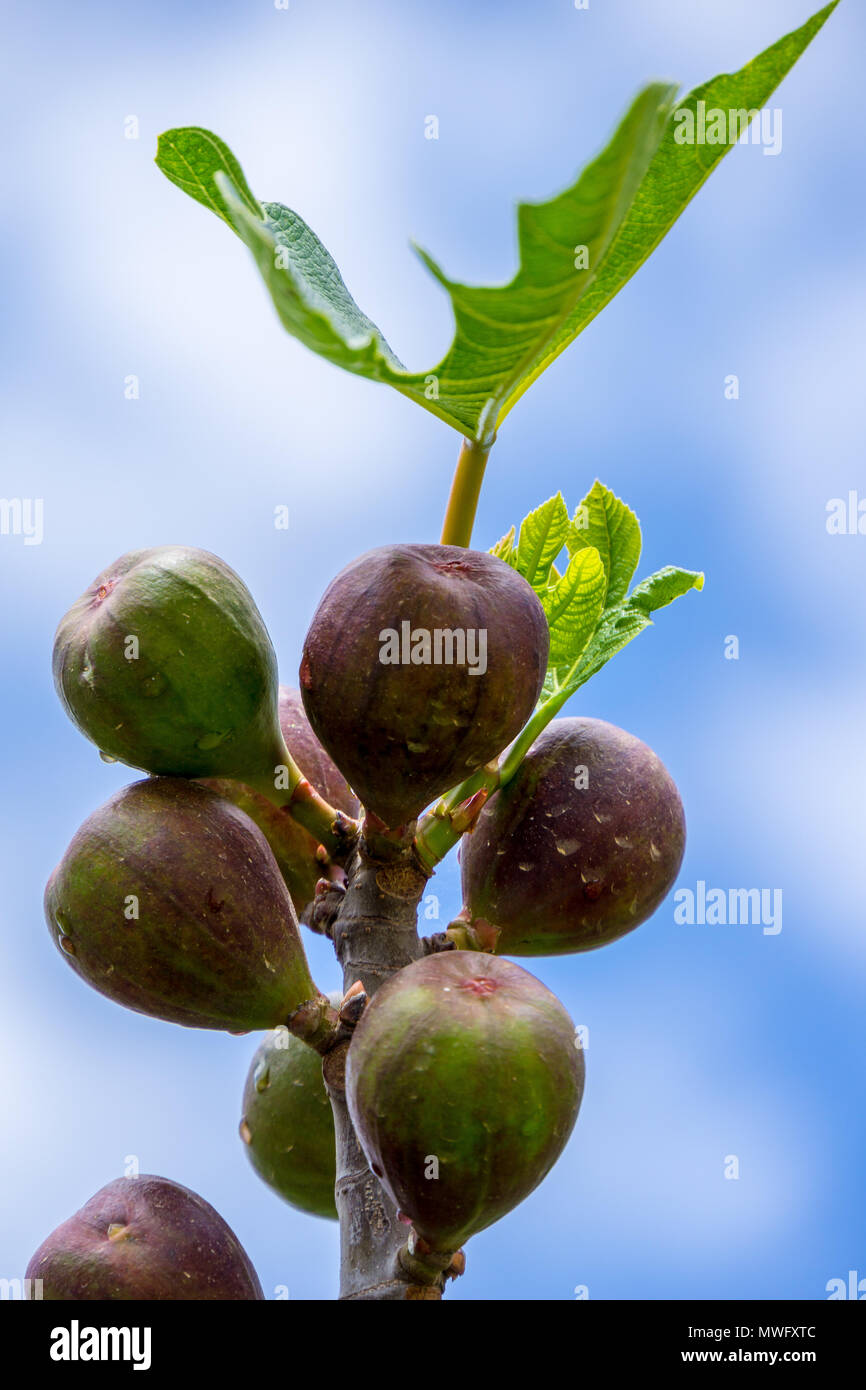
{"x":332,"y":828}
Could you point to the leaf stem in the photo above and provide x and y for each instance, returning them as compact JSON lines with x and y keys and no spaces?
{"x":441,"y":828}
{"x":465,"y":491}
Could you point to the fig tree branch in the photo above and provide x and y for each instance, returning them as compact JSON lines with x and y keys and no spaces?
{"x":375,"y":935}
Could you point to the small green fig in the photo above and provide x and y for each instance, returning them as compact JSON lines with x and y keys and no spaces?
{"x":165,"y":663}
{"x":144,"y":1238}
{"x":578,"y":848}
{"x":288,"y":1125}
{"x":421,"y":663}
{"x":294,"y":847}
{"x":464,"y":1078}
{"x":169,"y":900}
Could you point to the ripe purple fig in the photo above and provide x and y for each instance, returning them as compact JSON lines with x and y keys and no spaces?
{"x":579,"y":847}
{"x":144,"y":1238}
{"x":165,"y":663}
{"x":288,"y":1124}
{"x":169,"y":900}
{"x":464,"y":1079}
{"x":294,"y":847}
{"x":421,"y":663}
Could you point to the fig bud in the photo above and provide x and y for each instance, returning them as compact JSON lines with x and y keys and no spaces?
{"x":294,"y":848}
{"x":164,"y":662}
{"x":421,"y":663}
{"x":144,"y":1238}
{"x":288,"y":1124}
{"x":579,"y":847}
{"x":169,"y":900}
{"x":463,"y":1083}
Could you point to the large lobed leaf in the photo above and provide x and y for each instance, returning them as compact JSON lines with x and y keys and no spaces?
{"x":576,"y":251}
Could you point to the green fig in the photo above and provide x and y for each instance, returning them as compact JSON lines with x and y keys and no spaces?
{"x":578,"y":848}
{"x":169,"y":900}
{"x":421,"y":663}
{"x":165,"y":663}
{"x":288,"y":1125}
{"x":463,"y":1081}
{"x":294,"y":847}
{"x":144,"y":1238}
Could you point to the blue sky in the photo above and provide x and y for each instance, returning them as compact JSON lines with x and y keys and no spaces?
{"x":705,"y":1041}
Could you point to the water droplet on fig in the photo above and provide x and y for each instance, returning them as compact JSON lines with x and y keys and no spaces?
{"x":245,"y":1132}
{"x":262,"y":1076}
{"x":67,"y":945}
{"x":655,"y":852}
{"x":567,"y":846}
{"x":623,"y":841}
{"x":525,"y":868}
{"x":62,"y":922}
{"x":106,"y":757}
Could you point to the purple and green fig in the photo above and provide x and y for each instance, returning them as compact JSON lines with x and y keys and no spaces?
{"x":464,"y":1079}
{"x":169,"y":901}
{"x":578,"y":848}
{"x":294,"y":847}
{"x":288,"y":1125}
{"x":144,"y":1238}
{"x":421,"y":663}
{"x":165,"y":663}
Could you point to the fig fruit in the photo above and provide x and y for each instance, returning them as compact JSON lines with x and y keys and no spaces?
{"x":165,"y":663}
{"x":288,"y":1124}
{"x":144,"y":1238}
{"x":463,"y":1081}
{"x":169,"y":900}
{"x":421,"y":663}
{"x":294,"y":847}
{"x":579,"y":847}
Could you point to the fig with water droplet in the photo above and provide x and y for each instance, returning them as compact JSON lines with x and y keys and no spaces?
{"x":421,"y":663}
{"x":294,"y":847}
{"x":579,"y":847}
{"x":169,"y":900}
{"x":463,"y":1081}
{"x":165,"y":663}
{"x":288,"y":1125}
{"x":144,"y":1238}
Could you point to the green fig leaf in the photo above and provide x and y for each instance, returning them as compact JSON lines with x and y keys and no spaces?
{"x":620,"y":624}
{"x":610,"y":527}
{"x":505,"y":549}
{"x":541,"y":538}
{"x":576,"y":251}
{"x":192,"y":157}
{"x":574,"y":606}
